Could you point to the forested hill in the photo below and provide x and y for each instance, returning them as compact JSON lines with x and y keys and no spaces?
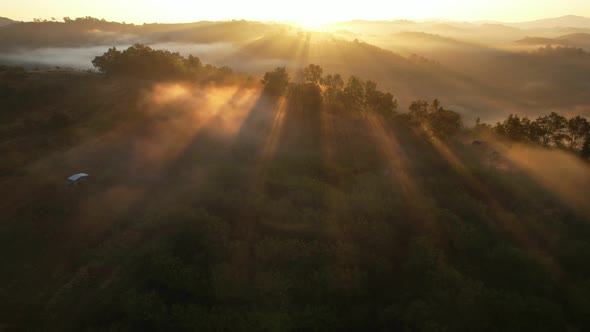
{"x":5,"y":21}
{"x":218,"y":201}
{"x":86,"y":31}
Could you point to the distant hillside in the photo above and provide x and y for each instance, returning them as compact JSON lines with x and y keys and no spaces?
{"x":407,"y":78}
{"x":90,"y":32}
{"x":570,"y":21}
{"x":539,"y":41}
{"x":578,"y":40}
{"x":581,"y":40}
{"x":5,"y":21}
{"x":577,"y":37}
{"x":423,"y":36}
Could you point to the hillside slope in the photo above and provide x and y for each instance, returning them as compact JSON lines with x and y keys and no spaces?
{"x":217,"y":206}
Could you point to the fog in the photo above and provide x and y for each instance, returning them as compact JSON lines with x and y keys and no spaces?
{"x":81,"y":57}
{"x":480,"y":70}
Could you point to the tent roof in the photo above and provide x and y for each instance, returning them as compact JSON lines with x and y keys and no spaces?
{"x":77,"y":177}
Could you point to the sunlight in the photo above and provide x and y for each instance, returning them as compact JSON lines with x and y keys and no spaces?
{"x":184,"y":111}
{"x":271,"y":143}
{"x":167,"y":93}
{"x":557,"y":171}
{"x":518,"y":229}
{"x":397,"y":159}
{"x":313,"y":25}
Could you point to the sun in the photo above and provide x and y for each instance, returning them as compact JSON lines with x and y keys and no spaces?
{"x":313,"y":25}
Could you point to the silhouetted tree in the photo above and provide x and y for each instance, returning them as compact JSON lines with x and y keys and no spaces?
{"x":379,"y":102}
{"x":513,"y":128}
{"x":419,"y":110}
{"x":108,"y":62}
{"x":312,"y":74}
{"x":354,"y":94}
{"x":443,"y":123}
{"x":578,"y":128}
{"x":481,"y":127}
{"x":193,"y":62}
{"x":551,"y":129}
{"x":585,"y":153}
{"x":333,"y":90}
{"x":276,"y":81}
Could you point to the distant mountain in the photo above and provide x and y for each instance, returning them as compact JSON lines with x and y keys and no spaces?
{"x":569,"y":21}
{"x":5,"y":21}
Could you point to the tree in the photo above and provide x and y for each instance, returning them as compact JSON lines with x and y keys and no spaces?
{"x":512,"y":128}
{"x":585,"y":153}
{"x":276,"y":81}
{"x":333,"y":82}
{"x":142,"y":61}
{"x":578,"y":128}
{"x":108,"y":62}
{"x":333,"y":88}
{"x":313,"y":74}
{"x":354,"y":93}
{"x":443,"y":123}
{"x":419,"y":110}
{"x":481,"y":127}
{"x":552,"y":129}
{"x":193,"y":62}
{"x":379,"y":102}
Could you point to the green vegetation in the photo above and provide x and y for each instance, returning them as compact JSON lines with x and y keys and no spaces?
{"x":553,"y":130}
{"x":318,"y":207}
{"x":142,"y":61}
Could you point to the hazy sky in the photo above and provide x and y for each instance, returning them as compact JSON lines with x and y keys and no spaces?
{"x":303,"y":11}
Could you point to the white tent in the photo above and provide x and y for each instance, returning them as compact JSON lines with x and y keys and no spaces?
{"x":76,"y":177}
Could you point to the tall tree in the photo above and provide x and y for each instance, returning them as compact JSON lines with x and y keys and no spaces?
{"x":355,"y":94}
{"x":419,"y":110}
{"x":276,"y":81}
{"x":552,"y":129}
{"x":312,"y":74}
{"x":578,"y":128}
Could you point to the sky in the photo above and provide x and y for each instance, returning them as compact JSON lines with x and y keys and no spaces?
{"x":300,"y":11}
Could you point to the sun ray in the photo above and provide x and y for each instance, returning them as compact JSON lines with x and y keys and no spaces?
{"x":505,"y":220}
{"x":271,"y":144}
{"x":558,"y":172}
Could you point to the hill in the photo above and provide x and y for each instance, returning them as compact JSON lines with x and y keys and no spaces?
{"x":579,"y":40}
{"x":568,"y":21}
{"x":540,"y":41}
{"x":5,"y":21}
{"x":219,"y":203}
{"x":576,"y":37}
{"x":88,"y":31}
{"x":410,"y":77}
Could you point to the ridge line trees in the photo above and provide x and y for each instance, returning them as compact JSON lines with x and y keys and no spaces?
{"x":553,"y":130}
{"x":356,"y":95}
{"x":140,"y":60}
{"x":441,"y":122}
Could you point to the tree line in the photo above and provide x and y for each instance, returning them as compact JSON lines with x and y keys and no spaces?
{"x":359,"y":96}
{"x":331,"y":92}
{"x":142,"y":61}
{"x":553,"y":130}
